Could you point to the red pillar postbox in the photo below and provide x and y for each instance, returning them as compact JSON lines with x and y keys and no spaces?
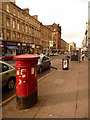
{"x":26,"y":80}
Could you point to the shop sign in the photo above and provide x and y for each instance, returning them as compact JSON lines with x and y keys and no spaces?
{"x":38,"y":47}
{"x":27,"y":44}
{"x":23,"y":44}
{"x":11,"y":43}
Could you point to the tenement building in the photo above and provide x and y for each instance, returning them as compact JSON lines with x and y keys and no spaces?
{"x":46,"y":36}
{"x":56,"y":37}
{"x":20,"y":32}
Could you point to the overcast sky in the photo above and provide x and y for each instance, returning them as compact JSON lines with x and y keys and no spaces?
{"x":72,"y":16}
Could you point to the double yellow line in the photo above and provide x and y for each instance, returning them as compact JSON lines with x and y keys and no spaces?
{"x":5,"y":101}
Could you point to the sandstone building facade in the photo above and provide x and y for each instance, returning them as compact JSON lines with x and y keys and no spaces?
{"x":20,"y":32}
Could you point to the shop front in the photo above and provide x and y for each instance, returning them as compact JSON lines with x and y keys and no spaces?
{"x":37,"y":49}
{"x":11,"y":48}
{"x":28,"y":47}
{"x":32,"y":48}
{"x":25,"y":48}
{"x":45,"y":50}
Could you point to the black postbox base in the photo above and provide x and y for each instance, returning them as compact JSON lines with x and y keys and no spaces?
{"x":26,"y":102}
{"x":66,"y":68}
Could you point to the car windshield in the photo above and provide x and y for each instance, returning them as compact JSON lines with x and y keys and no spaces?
{"x":40,"y":59}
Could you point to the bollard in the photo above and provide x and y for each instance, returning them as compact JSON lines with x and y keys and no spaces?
{"x":26,"y":80}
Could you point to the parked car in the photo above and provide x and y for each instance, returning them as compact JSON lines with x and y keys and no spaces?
{"x":43,"y":63}
{"x":61,"y":52}
{"x":6,"y":58}
{"x":7,"y":75}
{"x":51,"y":54}
{"x":55,"y":54}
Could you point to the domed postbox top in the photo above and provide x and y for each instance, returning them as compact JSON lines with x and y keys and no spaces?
{"x":26,"y":57}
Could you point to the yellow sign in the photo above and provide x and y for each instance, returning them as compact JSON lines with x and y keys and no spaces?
{"x":51,"y":44}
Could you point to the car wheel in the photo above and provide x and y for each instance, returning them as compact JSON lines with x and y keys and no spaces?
{"x":40,"y":70}
{"x":11,"y":84}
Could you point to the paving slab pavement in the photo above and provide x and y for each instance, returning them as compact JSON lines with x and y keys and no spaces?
{"x":62,"y":94}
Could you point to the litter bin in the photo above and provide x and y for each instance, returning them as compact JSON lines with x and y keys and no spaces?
{"x":75,"y":55}
{"x":26,"y":80}
{"x":65,"y":64}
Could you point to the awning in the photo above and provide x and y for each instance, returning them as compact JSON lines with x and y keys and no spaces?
{"x":12,"y":47}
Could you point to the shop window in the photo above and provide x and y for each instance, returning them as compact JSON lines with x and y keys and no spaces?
{"x":8,"y":22}
{"x":14,"y":24}
{"x":14,"y":36}
{"x":14,"y":11}
{"x":8,"y":35}
{"x":8,"y":8}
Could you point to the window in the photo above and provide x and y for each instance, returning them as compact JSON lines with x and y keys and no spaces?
{"x":30,"y":30}
{"x":4,"y":67}
{"x":54,"y":33}
{"x":18,"y":36}
{"x":23,"y":16}
{"x":23,"y":27}
{"x":44,"y":59}
{"x":18,"y":14}
{"x":22,"y":38}
{"x":14,"y":24}
{"x":18,"y":26}
{"x":8,"y":22}
{"x":8,"y":35}
{"x":2,"y":18}
{"x":26,"y":28}
{"x":26,"y":18}
{"x":8,"y":9}
{"x":14,"y":12}
{"x":1,"y":35}
{"x":14,"y":36}
{"x":54,"y":29}
{"x":26,"y":39}
{"x":29,"y":20}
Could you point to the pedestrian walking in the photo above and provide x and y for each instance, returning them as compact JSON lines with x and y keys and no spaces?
{"x":82,"y":55}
